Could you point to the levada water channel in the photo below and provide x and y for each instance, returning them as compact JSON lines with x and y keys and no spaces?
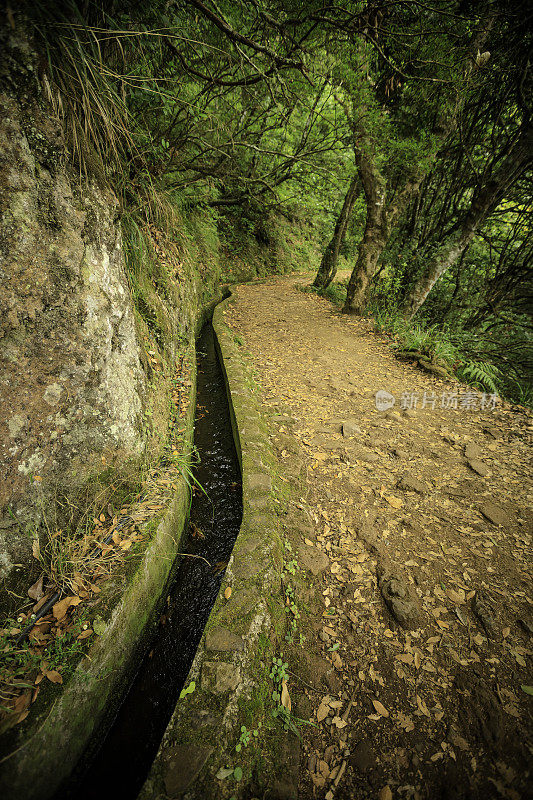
{"x":121,"y":764}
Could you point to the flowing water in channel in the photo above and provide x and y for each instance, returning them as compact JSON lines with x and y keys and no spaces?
{"x":122,"y":763}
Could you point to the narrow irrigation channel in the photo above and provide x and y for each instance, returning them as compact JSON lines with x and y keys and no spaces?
{"x":121,"y":765}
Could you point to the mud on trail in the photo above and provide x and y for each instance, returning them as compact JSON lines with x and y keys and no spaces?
{"x":412,"y":533}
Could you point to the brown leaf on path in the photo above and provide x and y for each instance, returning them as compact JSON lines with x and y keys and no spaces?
{"x":339,"y":722}
{"x":41,"y":602}
{"x":227,"y":592}
{"x":380,"y":708}
{"x":323,"y":768}
{"x":456,"y":597}
{"x":322,"y":711}
{"x":35,"y":548}
{"x":386,"y":793}
{"x":422,"y":706}
{"x":395,"y":502}
{"x":405,"y":658}
{"x":405,"y":722}
{"x":22,"y":702}
{"x":36,"y":591}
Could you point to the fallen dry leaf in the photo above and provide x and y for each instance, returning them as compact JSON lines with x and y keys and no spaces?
{"x":395,"y":502}
{"x":36,"y":591}
{"x":339,"y":722}
{"x":458,"y":597}
{"x":405,"y":722}
{"x":322,"y":711}
{"x":422,"y":706}
{"x":380,"y":708}
{"x":54,"y":676}
{"x":285,"y":697}
{"x":60,"y":608}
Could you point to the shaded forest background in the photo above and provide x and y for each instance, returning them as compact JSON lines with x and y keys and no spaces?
{"x":391,"y":139}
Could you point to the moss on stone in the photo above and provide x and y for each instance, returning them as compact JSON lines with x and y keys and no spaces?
{"x":254,"y":611}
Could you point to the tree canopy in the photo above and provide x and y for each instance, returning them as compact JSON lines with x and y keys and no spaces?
{"x":403,"y":130}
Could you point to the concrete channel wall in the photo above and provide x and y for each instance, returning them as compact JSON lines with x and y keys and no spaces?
{"x":230,"y":663}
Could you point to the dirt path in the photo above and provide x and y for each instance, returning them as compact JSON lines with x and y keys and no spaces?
{"x":412,"y":534}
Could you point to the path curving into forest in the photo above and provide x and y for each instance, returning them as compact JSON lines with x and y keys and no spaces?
{"x":412,"y":529}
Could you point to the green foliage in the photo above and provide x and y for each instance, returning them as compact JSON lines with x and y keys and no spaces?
{"x":279,"y":676}
{"x":189,"y":689}
{"x":480,"y":374}
{"x":246,"y":737}
{"x":278,"y":673}
{"x":236,"y":151}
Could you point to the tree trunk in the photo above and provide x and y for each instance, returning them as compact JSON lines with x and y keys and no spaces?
{"x":370,"y":250}
{"x":328,"y":265}
{"x":375,"y":234}
{"x":380,"y":213}
{"x":447,"y":255}
{"x":486,"y":198}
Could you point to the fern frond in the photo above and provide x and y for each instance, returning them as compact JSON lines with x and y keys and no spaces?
{"x":481,"y":374}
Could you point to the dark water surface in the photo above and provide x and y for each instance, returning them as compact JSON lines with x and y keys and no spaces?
{"x":121,"y":765}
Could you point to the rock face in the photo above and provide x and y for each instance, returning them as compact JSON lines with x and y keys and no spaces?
{"x":71,"y":383}
{"x":219,"y":677}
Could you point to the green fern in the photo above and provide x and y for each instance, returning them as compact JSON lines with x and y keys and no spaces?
{"x":480,"y":374}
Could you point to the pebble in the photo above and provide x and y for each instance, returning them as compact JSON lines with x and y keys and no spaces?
{"x":411,"y":484}
{"x":472,"y":451}
{"x":479,"y":467}
{"x":349,"y":429}
{"x":494,"y":513}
